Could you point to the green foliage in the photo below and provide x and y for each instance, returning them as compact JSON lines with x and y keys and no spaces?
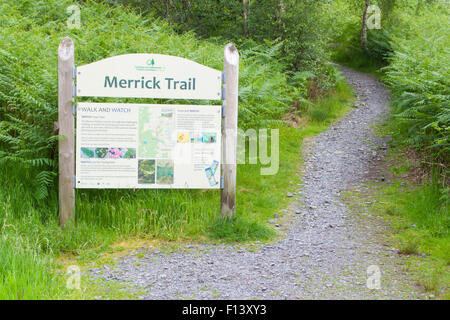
{"x":31,"y":32}
{"x":207,"y":18}
{"x":413,"y":42}
{"x":419,"y":76}
{"x":298,"y":26}
{"x":347,"y":50}
{"x":330,"y":107}
{"x":420,"y":217}
{"x":428,"y":210}
{"x":24,"y":272}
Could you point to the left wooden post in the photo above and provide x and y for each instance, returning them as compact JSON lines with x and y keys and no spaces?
{"x":66,"y":130}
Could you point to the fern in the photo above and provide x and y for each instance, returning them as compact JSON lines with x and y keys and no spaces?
{"x":420,"y":80}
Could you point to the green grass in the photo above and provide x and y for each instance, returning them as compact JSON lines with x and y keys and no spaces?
{"x":419,"y":219}
{"x":329,"y":107}
{"x":25,"y":273}
{"x":421,"y":208}
{"x":422,"y":223}
{"x":32,"y":239}
{"x":360,"y":61}
{"x":418,"y":212}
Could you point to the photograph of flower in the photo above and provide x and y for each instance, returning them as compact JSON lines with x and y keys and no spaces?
{"x":183,"y":137}
{"x":108,"y":153}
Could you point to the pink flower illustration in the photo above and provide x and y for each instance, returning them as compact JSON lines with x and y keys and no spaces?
{"x":115,"y":153}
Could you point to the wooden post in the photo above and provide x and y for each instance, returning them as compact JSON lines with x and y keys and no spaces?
{"x":229,"y":131}
{"x":66,"y":130}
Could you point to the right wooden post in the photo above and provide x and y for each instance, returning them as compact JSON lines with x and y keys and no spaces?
{"x":229,"y":130}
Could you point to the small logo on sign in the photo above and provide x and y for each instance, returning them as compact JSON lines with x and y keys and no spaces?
{"x":149,"y":66}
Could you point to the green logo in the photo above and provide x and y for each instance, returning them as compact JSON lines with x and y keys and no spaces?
{"x":149,"y":66}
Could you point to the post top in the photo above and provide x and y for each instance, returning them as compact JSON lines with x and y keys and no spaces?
{"x":231,"y":54}
{"x":65,"y":49}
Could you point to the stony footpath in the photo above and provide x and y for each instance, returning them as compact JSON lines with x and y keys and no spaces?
{"x":326,"y":249}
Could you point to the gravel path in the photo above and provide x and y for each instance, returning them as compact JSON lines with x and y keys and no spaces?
{"x":326,"y":249}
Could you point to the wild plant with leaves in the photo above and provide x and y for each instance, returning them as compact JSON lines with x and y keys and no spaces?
{"x":419,"y":76}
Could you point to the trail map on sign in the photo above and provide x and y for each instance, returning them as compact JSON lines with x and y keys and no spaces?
{"x":148,"y":146}
{"x":156,"y":132}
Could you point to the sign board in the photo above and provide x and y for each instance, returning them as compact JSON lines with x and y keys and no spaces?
{"x":122,"y":145}
{"x":148,"y":76}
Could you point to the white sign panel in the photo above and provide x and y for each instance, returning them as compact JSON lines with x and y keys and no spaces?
{"x":148,"y":146}
{"x":148,"y":76}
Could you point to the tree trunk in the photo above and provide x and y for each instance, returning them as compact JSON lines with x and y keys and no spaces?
{"x":167,"y":8}
{"x":364,"y":27}
{"x":280,"y":11}
{"x":245,"y":12}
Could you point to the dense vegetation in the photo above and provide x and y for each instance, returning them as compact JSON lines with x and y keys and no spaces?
{"x":412,"y":41}
{"x":285,"y":74}
{"x":298,"y":27}
{"x":412,"y":46}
